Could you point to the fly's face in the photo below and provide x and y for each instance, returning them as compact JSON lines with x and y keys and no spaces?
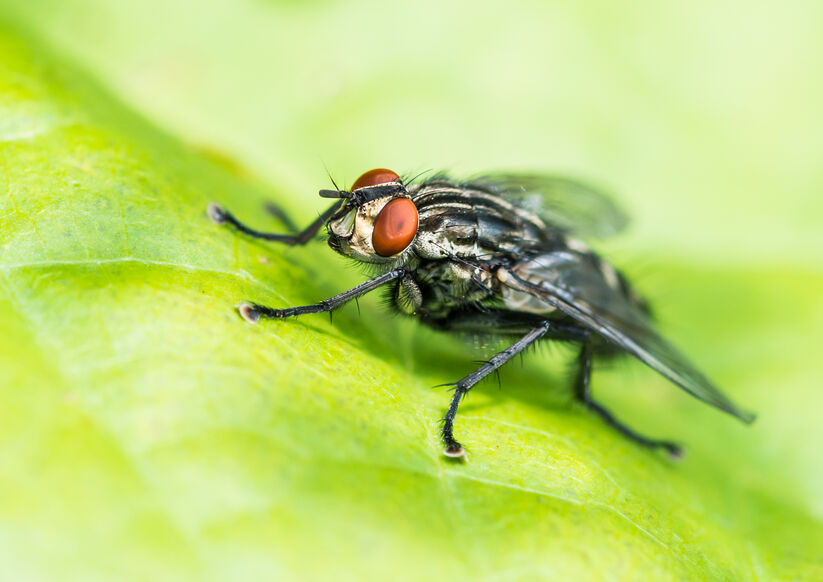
{"x":377,"y":223}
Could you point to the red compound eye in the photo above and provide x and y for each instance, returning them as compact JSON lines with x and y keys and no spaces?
{"x":395,"y":227}
{"x":374,"y":178}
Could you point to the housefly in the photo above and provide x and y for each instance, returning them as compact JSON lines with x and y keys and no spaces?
{"x":498,"y":255}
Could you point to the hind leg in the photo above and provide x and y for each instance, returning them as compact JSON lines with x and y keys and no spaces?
{"x":583,"y":393}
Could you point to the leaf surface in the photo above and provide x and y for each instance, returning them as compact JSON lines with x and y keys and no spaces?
{"x":148,"y":432}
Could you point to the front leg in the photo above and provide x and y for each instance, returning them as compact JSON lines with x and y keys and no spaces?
{"x":220,"y":215}
{"x":252,"y":312}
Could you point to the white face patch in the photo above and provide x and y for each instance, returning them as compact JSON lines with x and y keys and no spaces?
{"x":360,"y":229}
{"x":344,"y":227}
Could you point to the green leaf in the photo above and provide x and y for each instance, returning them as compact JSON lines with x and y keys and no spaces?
{"x":148,"y":432}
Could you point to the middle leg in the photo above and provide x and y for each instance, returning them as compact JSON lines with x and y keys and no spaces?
{"x":462,"y":386}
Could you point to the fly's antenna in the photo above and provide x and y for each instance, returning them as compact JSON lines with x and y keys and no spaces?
{"x":335,"y":194}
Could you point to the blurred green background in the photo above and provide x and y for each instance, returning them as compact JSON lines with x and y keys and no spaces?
{"x":149,"y":433}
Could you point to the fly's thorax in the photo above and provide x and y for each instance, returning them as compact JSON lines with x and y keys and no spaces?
{"x":446,"y":286}
{"x":464,"y":222}
{"x":470,"y":282}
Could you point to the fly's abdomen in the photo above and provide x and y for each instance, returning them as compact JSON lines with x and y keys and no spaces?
{"x":598,"y":283}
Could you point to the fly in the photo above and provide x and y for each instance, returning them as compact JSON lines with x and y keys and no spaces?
{"x":498,"y":255}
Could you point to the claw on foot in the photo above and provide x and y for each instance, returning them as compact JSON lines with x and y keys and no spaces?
{"x":216,"y":213}
{"x":456,"y":453}
{"x":676,"y":452}
{"x":248,"y":312}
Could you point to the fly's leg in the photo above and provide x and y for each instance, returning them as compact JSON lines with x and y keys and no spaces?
{"x":220,"y":215}
{"x":462,"y":387}
{"x":583,"y":393}
{"x":281,"y":215}
{"x":252,"y":312}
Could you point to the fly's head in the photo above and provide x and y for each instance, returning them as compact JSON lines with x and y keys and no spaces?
{"x":377,"y":223}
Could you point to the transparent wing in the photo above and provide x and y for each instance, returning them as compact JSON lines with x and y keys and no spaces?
{"x":574,"y":284}
{"x":573,"y":206}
